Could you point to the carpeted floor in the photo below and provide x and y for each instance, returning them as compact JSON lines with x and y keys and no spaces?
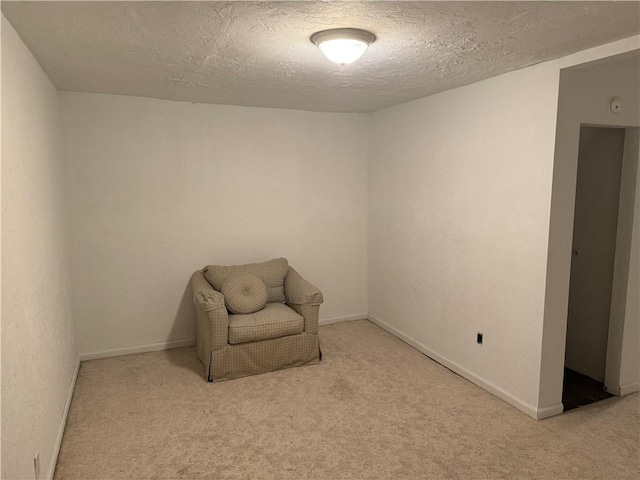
{"x":374,"y":408}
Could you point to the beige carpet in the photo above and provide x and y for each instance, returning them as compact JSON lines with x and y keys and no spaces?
{"x":374,"y":408}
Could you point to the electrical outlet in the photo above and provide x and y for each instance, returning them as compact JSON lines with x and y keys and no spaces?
{"x":479,"y":338}
{"x":36,"y":465}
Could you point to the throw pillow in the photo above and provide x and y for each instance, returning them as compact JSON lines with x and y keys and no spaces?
{"x":244,"y":293}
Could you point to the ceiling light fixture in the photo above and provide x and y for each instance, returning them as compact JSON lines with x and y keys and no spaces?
{"x":343,"y":45}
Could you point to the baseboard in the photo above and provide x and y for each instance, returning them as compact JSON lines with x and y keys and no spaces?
{"x":551,"y":411}
{"x":463,"y":372}
{"x":628,"y":388}
{"x":63,"y":421}
{"x":190,"y":341}
{"x":612,"y":391}
{"x":152,"y":347}
{"x":345,"y":318}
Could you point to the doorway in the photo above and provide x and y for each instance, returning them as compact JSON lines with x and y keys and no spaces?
{"x":597,"y":203}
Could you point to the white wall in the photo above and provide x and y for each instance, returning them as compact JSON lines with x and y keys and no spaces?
{"x":459,"y":198}
{"x":585,"y":94}
{"x":630,"y":355}
{"x":38,"y":339}
{"x":160,"y":189}
{"x":1,"y":470}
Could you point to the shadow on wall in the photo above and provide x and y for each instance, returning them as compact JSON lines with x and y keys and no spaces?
{"x":184,"y":357}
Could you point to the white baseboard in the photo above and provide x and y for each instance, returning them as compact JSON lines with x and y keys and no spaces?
{"x":63,"y":422}
{"x":191,"y":341}
{"x":552,"y":411}
{"x":612,"y":391}
{"x":628,"y":388}
{"x":152,"y":347}
{"x":472,"y":377}
{"x":345,"y":318}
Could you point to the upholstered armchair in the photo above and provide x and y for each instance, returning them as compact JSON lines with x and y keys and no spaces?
{"x":254,"y":318}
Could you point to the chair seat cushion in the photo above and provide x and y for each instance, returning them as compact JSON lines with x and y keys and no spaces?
{"x":273,"y":321}
{"x":244,"y":293}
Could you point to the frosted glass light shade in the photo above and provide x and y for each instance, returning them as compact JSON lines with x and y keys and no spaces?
{"x":343,"y":45}
{"x":343,"y":51}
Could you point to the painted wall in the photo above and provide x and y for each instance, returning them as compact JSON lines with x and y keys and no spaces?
{"x":160,"y":189}
{"x":38,"y":339}
{"x":585,"y":94}
{"x":594,"y":239}
{"x":630,"y":355}
{"x":459,"y":197}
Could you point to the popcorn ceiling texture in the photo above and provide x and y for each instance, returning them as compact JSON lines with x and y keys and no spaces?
{"x":259,"y":53}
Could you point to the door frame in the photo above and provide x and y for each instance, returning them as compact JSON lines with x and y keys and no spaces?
{"x":619,"y":287}
{"x":582,"y":99}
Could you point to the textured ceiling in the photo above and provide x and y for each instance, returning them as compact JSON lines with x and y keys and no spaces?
{"x":259,"y":53}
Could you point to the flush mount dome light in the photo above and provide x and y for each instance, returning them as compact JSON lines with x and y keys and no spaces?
{"x":343,"y":45}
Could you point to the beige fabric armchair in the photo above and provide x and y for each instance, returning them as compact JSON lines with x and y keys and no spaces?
{"x":283,"y":334}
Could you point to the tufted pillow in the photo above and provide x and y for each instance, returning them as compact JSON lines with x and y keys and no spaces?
{"x":244,"y":293}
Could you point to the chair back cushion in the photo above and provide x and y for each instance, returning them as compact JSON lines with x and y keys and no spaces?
{"x":272,"y":273}
{"x":244,"y":293}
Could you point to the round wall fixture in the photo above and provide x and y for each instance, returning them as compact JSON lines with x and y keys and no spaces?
{"x":343,"y":45}
{"x":616,"y":105}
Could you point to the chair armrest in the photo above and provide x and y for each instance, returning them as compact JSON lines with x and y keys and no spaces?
{"x":310,"y":313}
{"x":204,"y":294}
{"x":305,"y":298}
{"x":212,"y":318}
{"x":298,"y":291}
{"x":209,"y":300}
